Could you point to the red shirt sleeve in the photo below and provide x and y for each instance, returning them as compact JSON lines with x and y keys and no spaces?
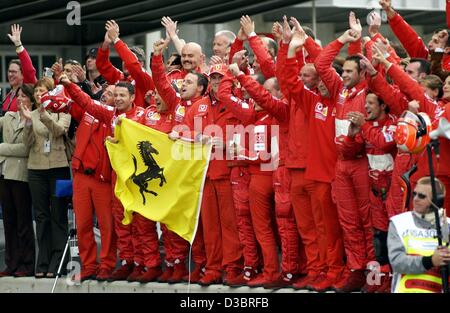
{"x":355,"y":47}
{"x":236,"y":46}
{"x":111,"y":74}
{"x":276,"y":107}
{"x":28,"y":70}
{"x":381,"y":139}
{"x":323,"y":63}
{"x":408,"y":37}
{"x":412,"y":89}
{"x":313,"y":49}
{"x":265,"y":60}
{"x":142,"y":78}
{"x":103,"y":113}
{"x":240,"y":108}
{"x":279,"y":68}
{"x":447,"y":13}
{"x":393,"y":97}
{"x":165,"y":89}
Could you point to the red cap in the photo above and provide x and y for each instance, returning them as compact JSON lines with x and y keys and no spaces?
{"x":218,"y":68}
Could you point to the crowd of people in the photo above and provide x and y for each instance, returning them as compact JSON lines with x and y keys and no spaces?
{"x":317,"y":179}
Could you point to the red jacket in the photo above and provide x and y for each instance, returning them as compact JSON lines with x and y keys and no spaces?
{"x":320,"y":112}
{"x":298,"y":124}
{"x":209,"y":111}
{"x":408,"y":37}
{"x":90,"y":151}
{"x":347,"y":100}
{"x":380,"y":144}
{"x":162,"y":121}
{"x":29,"y":77}
{"x":167,"y":92}
{"x":142,"y":80}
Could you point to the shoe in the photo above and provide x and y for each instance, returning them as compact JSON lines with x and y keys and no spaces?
{"x":235,"y":279}
{"x":23,"y":274}
{"x":84,"y":275}
{"x":352,"y":282}
{"x":325,"y":284}
{"x":210,"y":278}
{"x":137,"y":272}
{"x":164,"y":278}
{"x":50,"y":275}
{"x":122,"y":272}
{"x":151,"y":274}
{"x":305,"y":281}
{"x":288,"y":279}
{"x":6,"y":272}
{"x":179,"y":271}
{"x":196,"y":274}
{"x":275,"y":284}
{"x":320,"y":278}
{"x":39,"y":275}
{"x":250,"y":273}
{"x":103,"y":274}
{"x":258,"y":281}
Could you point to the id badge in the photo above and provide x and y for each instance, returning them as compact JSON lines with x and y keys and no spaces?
{"x":47,"y":146}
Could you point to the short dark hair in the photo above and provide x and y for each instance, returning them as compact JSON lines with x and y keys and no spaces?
{"x":425,"y":65}
{"x":201,"y":81}
{"x":140,"y":54}
{"x":127,"y":85}
{"x":17,"y":62}
{"x":28,"y":90}
{"x":309,"y":32}
{"x":355,"y":58}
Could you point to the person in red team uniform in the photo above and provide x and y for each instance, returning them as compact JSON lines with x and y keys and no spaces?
{"x":92,"y":184}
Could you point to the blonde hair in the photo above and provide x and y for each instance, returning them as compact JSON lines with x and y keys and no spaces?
{"x":440,"y":187}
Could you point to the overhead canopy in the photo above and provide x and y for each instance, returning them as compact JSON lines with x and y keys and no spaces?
{"x":46,"y":23}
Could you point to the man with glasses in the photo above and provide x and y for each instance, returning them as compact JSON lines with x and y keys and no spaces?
{"x":413,"y":248}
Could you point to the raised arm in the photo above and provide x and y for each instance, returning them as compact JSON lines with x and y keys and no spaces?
{"x":28,"y":70}
{"x":172,"y":33}
{"x":111,"y":74}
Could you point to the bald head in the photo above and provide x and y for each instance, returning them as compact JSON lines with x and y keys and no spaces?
{"x":191,"y":56}
{"x":309,"y":76}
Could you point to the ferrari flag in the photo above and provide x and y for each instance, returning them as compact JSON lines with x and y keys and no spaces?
{"x":159,"y":178}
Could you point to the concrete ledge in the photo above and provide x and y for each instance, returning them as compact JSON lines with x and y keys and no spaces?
{"x":44,"y":285}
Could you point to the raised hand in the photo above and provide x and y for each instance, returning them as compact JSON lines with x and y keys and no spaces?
{"x":170,"y":26}
{"x":298,"y":40}
{"x":234,"y":69}
{"x":241,"y":35}
{"x":78,"y":73}
{"x":160,"y":45}
{"x":367,"y":66}
{"x":25,"y":112}
{"x":277,"y":31}
{"x":112,"y":30}
{"x":385,"y":4}
{"x":16,"y":30}
{"x":247,"y":25}
{"x":379,"y":54}
{"x":64,"y":79}
{"x":375,"y":23}
{"x":287,"y":32}
{"x":57,"y":69}
{"x":241,"y":58}
{"x":215,"y":60}
{"x":349,"y":36}
{"x":354,"y":23}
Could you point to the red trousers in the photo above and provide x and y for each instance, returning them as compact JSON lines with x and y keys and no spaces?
{"x":351,"y":190}
{"x":309,"y":218}
{"x":222,"y":246}
{"x":128,"y":243}
{"x":92,"y":196}
{"x":261,"y":198}
{"x":240,"y":180}
{"x":323,"y":201}
{"x":147,"y":235}
{"x":285,"y":218}
{"x":379,"y":186}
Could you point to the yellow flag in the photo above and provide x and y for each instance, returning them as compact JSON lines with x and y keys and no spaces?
{"x":159,"y":178}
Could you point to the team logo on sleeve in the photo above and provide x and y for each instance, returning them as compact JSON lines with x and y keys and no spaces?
{"x":202,"y":108}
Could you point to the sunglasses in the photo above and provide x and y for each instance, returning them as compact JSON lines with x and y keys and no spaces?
{"x":420,"y":195}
